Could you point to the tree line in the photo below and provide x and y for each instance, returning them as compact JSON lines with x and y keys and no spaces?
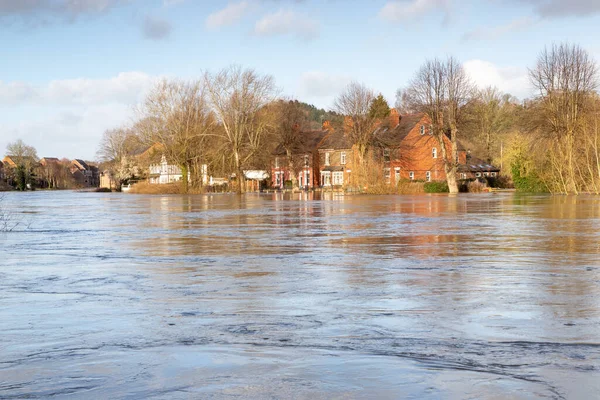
{"x":233,"y":119}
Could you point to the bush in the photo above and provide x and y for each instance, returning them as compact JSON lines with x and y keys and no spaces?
{"x":500,"y":182}
{"x":288,"y":184}
{"x":436,"y":187}
{"x":476,"y":186}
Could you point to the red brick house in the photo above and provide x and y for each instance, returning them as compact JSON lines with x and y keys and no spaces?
{"x":305,"y":160}
{"x":336,"y":157}
{"x":410,"y":151}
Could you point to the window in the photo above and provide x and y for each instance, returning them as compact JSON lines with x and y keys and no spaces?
{"x":387,"y":175}
{"x":326,"y":178}
{"x":411,"y":175}
{"x":306,"y":161}
{"x":338,"y":178}
{"x":386,"y":155}
{"x":397,"y":174}
{"x":276,"y":162}
{"x":463,"y":176}
{"x":428,"y":176}
{"x":422,"y":129}
{"x":493,"y":174}
{"x":277,"y":180}
{"x":326,"y":158}
{"x":307,"y":176}
{"x":343,"y":158}
{"x":478,"y":174}
{"x":431,"y":129}
{"x":434,"y":152}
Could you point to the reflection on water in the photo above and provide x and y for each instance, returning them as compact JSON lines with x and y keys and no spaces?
{"x":124,"y":296}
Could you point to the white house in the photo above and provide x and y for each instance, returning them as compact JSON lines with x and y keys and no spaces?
{"x":165,"y":173}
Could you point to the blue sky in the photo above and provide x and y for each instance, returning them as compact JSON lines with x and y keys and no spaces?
{"x":71,"y":69}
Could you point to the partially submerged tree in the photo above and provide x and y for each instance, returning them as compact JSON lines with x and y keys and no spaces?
{"x":441,"y":90}
{"x":290,"y":122}
{"x":177,"y":116}
{"x":115,"y":153}
{"x":355,"y":103}
{"x":566,"y":78}
{"x":238,"y":98}
{"x":25,"y":158}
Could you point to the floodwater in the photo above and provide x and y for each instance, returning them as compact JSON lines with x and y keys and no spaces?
{"x":487,"y":296}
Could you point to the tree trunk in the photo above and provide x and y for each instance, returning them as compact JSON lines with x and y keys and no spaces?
{"x":184,"y":177}
{"x":293,"y":176}
{"x":240,"y":174}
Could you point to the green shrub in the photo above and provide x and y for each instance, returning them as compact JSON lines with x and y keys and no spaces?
{"x":436,"y":187}
{"x":288,"y":184}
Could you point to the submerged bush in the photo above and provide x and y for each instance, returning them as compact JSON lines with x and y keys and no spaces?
{"x":436,"y":187}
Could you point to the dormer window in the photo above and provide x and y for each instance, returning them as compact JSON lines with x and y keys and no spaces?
{"x":431,"y":129}
{"x":422,"y":129}
{"x":434,"y":152}
{"x":343,"y":158}
{"x":276,"y":162}
{"x":306,"y":161}
{"x":326,"y":158}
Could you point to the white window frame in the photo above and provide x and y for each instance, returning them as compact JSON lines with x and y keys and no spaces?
{"x":434,"y":152}
{"x":428,"y":176}
{"x":387,"y":174}
{"x":327,"y":158}
{"x":276,"y":162}
{"x":337,"y":178}
{"x":411,"y":175}
{"x":463,"y":175}
{"x":422,"y":130}
{"x":478,"y":174}
{"x":306,"y":161}
{"x":343,"y":158}
{"x":397,"y":174}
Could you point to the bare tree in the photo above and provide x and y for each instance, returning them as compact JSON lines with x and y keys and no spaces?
{"x":115,"y":152}
{"x":355,"y":103}
{"x":238,"y":98}
{"x":441,"y":90}
{"x":177,"y":116}
{"x":566,"y":78}
{"x":291,"y":120}
{"x":492,"y":113}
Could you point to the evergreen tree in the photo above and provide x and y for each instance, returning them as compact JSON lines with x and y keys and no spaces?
{"x":380,"y":108}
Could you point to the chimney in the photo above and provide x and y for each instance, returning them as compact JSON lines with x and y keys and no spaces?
{"x":394,"y":118}
{"x":326,"y":125}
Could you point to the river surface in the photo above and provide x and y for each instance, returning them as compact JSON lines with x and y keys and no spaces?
{"x":117,"y":296}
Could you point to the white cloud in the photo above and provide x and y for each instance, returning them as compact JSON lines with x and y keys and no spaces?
{"x":125,"y":88}
{"x":287,"y":22}
{"x":511,"y":80}
{"x":563,"y":8}
{"x":494,"y":32}
{"x":409,"y":10}
{"x":71,"y":133}
{"x":66,"y":118}
{"x":228,"y":15}
{"x":321,"y":84}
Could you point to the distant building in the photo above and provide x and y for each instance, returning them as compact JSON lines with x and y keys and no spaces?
{"x":166,"y":173}
{"x":304,"y":157}
{"x":85,"y":175}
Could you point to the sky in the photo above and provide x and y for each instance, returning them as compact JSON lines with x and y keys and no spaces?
{"x":71,"y":69}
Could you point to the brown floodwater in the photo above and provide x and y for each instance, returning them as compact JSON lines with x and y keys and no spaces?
{"x":487,"y":296}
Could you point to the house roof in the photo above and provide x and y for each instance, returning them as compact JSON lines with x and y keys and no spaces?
{"x":393,"y":136}
{"x":309,"y":140}
{"x":477,"y":165}
{"x":15,"y":160}
{"x":46,"y":160}
{"x":81,"y":163}
{"x":335,"y":140}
